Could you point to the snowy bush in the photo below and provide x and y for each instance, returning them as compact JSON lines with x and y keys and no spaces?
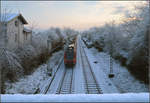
{"x":56,"y":36}
{"x":10,"y":65}
{"x":53,"y":36}
{"x":27,"y":54}
{"x":70,"y":34}
{"x":10,"y":68}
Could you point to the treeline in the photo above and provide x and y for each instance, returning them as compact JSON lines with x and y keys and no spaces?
{"x":127,"y":42}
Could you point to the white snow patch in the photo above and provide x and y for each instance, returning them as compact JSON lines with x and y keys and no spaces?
{"x":128,"y":97}
{"x":29,"y":84}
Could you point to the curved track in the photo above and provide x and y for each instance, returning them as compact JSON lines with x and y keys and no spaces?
{"x":92,"y":86}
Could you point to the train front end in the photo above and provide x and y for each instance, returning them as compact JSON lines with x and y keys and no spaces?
{"x":70,"y":56}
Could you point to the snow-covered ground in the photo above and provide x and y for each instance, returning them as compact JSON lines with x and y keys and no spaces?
{"x":30,"y":83}
{"x":127,"y":97}
{"x":123,"y":80}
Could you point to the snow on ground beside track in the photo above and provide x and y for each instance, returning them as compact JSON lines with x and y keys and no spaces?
{"x":78,"y":73}
{"x":104,"y":82}
{"x":123,"y":80}
{"x":57,"y":80}
{"x":29,"y":84}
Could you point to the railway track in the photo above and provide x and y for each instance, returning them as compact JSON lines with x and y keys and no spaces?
{"x":91,"y":84}
{"x":66,"y":83}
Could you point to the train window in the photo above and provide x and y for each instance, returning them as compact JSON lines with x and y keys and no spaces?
{"x":70,"y":53}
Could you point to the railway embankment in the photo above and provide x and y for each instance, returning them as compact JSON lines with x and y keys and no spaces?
{"x":31,"y":83}
{"x":21,"y":62}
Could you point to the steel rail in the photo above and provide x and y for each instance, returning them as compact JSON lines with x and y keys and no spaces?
{"x":86,"y":82}
{"x":71,"y":82}
{"x":61,"y":84}
{"x":64,"y":80}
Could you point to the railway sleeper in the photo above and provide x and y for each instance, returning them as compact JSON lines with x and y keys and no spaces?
{"x":92,"y":85}
{"x":65,"y":90}
{"x":92,"y":88}
{"x":92,"y":92}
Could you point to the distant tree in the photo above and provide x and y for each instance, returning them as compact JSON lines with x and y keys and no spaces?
{"x":33,"y":26}
{"x":58,"y":32}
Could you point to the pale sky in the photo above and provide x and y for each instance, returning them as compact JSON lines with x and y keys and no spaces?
{"x":74,"y":14}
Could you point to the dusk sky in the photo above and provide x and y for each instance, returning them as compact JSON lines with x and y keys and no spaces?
{"x":74,"y":14}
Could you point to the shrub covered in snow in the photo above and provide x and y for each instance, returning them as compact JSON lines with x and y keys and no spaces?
{"x":10,"y":67}
{"x":27,"y":55}
{"x":70,"y":34}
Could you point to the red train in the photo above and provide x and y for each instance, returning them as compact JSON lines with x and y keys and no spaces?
{"x":70,"y":55}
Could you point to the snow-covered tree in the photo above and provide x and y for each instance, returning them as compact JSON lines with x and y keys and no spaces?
{"x":128,"y":41}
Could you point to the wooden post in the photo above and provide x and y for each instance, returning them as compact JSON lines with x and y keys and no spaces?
{"x":111,"y":75}
{"x":49,"y":69}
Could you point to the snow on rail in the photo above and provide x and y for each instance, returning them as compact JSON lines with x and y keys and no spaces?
{"x":127,"y":97}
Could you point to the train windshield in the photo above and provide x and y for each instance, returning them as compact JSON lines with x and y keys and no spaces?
{"x":69,"y":53}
